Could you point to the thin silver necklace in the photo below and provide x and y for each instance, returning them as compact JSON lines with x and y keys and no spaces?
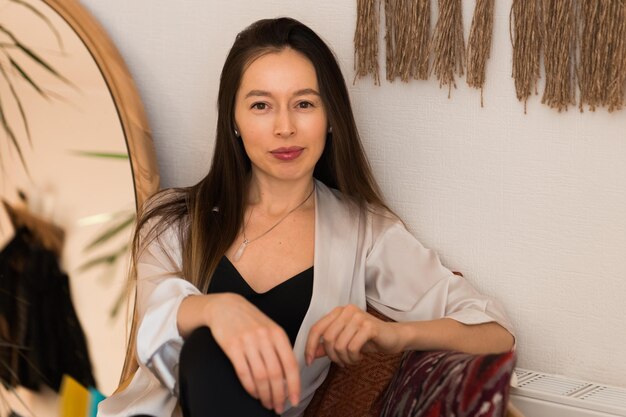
{"x":247,"y":241}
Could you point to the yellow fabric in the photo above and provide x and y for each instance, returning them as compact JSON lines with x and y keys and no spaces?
{"x":74,"y":398}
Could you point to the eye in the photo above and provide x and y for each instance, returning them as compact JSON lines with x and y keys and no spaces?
{"x":305,"y":105}
{"x":259,"y":106}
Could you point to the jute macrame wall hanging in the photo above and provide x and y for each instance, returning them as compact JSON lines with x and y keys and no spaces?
{"x":582,"y":44}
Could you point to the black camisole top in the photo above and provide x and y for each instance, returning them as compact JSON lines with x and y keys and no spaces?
{"x":286,"y":303}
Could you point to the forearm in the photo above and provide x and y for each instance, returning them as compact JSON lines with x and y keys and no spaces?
{"x":449,"y":334}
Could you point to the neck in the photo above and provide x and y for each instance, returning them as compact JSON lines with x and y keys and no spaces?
{"x":275,"y":198}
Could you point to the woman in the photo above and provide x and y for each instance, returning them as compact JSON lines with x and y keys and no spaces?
{"x":265,"y":267}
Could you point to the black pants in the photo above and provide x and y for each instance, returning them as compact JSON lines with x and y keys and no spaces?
{"x":209,"y":386}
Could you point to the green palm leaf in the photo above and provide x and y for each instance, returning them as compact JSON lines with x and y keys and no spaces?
{"x":109,"y":155}
{"x":34,"y":56}
{"x":25,"y":76}
{"x":6,"y":127}
{"x":111,"y":232}
{"x":42,"y":17}
{"x":19,"y":104}
{"x":11,"y":135}
{"x":118,"y":303}
{"x":108,"y":259}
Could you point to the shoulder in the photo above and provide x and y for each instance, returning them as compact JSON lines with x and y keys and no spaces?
{"x":381,"y":219}
{"x":375,"y":219}
{"x":335,"y":201}
{"x":328,"y":196}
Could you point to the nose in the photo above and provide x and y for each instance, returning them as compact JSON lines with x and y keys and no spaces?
{"x":283,"y":125}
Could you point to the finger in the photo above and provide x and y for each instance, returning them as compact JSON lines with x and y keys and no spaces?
{"x":316,"y":332}
{"x":356,"y":345}
{"x":275,"y":374}
{"x":260,"y":375}
{"x":243,"y":371}
{"x":320,"y":351}
{"x":343,"y":339}
{"x":329,"y":339}
{"x":290,"y":367}
{"x":330,"y":352}
{"x":332,"y":355}
{"x":369,"y":347}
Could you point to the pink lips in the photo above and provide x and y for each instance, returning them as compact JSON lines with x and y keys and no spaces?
{"x":287,"y":154}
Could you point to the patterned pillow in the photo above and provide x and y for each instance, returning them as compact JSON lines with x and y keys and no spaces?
{"x":445,"y":383}
{"x":355,"y":391}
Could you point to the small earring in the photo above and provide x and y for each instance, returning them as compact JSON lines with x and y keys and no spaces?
{"x":330,"y":129}
{"x":236,"y":132}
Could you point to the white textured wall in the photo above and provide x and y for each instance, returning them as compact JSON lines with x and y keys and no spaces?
{"x":532,"y":208}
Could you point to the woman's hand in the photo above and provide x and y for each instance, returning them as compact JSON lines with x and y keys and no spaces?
{"x":258,"y":348}
{"x":346,"y":332}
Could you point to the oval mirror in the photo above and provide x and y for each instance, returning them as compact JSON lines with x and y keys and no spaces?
{"x":76,"y":160}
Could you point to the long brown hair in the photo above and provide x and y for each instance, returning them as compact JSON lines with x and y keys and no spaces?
{"x":209,"y":215}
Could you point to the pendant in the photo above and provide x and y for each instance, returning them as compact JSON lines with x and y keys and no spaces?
{"x":240,"y":250}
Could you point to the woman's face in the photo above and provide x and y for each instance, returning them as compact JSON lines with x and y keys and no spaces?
{"x":280,"y":116}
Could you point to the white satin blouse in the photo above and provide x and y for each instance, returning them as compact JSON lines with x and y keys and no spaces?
{"x":360,"y":258}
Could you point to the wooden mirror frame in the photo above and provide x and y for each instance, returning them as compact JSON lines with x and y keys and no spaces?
{"x":128,"y":105}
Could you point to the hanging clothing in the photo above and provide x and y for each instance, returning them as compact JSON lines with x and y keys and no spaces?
{"x":41,"y":338}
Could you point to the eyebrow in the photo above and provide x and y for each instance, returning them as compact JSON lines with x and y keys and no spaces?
{"x":261,"y":93}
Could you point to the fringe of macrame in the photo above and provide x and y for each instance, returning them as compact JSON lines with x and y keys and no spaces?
{"x":448,"y":45}
{"x":392,"y":33}
{"x":559,"y":23}
{"x":602,"y":67}
{"x":594,"y":54}
{"x":583,"y":44}
{"x":479,"y":44}
{"x":366,"y":40}
{"x":525,"y":30}
{"x":421,"y":44}
{"x":410,"y":25}
{"x":617,"y":77}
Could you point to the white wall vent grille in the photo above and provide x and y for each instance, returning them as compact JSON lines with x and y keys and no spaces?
{"x":571,"y":392}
